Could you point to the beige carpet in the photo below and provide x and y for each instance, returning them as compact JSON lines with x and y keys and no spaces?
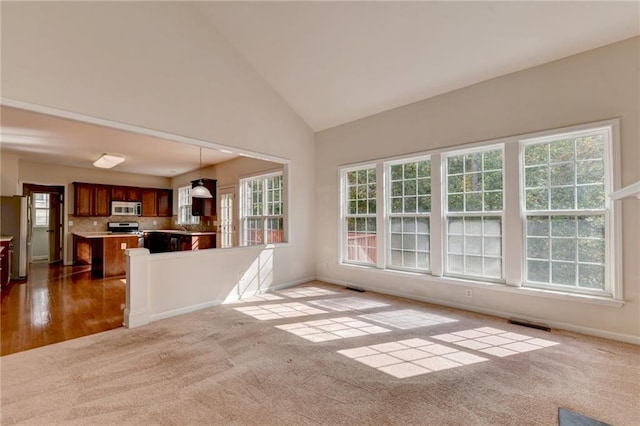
{"x":400,"y":362}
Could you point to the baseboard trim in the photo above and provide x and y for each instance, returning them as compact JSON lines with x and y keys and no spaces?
{"x":209,"y":304}
{"x":501,"y":314}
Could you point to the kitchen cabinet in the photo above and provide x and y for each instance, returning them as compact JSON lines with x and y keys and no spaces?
{"x":83,"y":199}
{"x":102,"y":203}
{"x":204,"y":206}
{"x":91,"y":199}
{"x":105,"y":253}
{"x":149,"y":202}
{"x":165,"y":202}
{"x":126,"y":193}
{"x":166,"y":241}
{"x":5,"y":261}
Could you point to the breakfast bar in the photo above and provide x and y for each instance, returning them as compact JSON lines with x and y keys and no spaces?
{"x":104,"y":251}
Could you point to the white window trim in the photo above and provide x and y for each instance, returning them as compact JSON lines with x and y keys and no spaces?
{"x":194,"y":219}
{"x":241,"y":207}
{"x":342,"y":228}
{"x":386,"y":178}
{"x":513,"y":254}
{"x":444,"y":213}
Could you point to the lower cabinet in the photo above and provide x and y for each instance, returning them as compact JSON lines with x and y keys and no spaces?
{"x":162,"y":242}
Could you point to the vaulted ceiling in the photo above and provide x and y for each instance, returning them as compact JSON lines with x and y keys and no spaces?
{"x":335,"y":62}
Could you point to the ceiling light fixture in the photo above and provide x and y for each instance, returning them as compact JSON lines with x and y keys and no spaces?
{"x":200,"y":191}
{"x":107,"y":161}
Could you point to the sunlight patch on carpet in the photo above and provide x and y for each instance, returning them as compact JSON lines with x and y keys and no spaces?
{"x":411,"y":357}
{"x":279,"y":310}
{"x":494,"y":341}
{"x":348,"y":303}
{"x":256,"y":298}
{"x":406,"y":319}
{"x":332,"y":329}
{"x":306,"y":292}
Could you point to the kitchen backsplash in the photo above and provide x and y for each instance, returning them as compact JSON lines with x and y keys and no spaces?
{"x":86,"y":224}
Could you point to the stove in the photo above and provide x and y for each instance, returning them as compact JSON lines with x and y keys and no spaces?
{"x":124,"y":228}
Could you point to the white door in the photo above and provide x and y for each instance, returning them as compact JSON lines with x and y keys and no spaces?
{"x":226,"y":225}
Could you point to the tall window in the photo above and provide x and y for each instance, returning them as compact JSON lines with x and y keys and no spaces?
{"x":41,"y":209}
{"x":409,"y":199}
{"x":262,"y":209}
{"x":359,"y":216}
{"x":184,"y":207}
{"x":565,"y":205}
{"x":526,"y":211}
{"x":474,"y":203}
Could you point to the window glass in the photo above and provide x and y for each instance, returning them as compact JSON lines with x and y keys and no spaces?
{"x":564,"y":189}
{"x":359,"y":223}
{"x":474,"y":203}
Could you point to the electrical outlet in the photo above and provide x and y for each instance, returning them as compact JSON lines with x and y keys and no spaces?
{"x":123,"y":246}
{"x":95,"y":223}
{"x":155,"y":223}
{"x":70,"y":223}
{"x":468,"y":293}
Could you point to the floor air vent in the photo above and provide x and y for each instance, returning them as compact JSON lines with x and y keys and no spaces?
{"x":530,"y":324}
{"x":358,"y":289}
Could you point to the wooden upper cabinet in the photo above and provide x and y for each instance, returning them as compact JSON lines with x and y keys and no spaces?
{"x":119,"y":193}
{"x":165,"y":201}
{"x":133,"y":194}
{"x":126,"y":193}
{"x":83,"y":199}
{"x":91,"y":199}
{"x":149,"y":202}
{"x":102,"y":202}
{"x":204,"y":206}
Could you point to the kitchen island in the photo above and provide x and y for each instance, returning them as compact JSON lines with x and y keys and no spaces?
{"x":104,"y":251}
{"x":165,"y":240}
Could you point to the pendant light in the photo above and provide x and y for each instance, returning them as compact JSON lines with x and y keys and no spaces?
{"x":200,"y":191}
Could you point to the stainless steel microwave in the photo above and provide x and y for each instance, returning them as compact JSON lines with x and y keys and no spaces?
{"x":126,"y":208}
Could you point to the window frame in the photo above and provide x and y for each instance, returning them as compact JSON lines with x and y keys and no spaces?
{"x":446,"y":214}
{"x":389,"y":214}
{"x":344,"y":215}
{"x":264,"y":217}
{"x":513,"y":213}
{"x":36,"y":209}
{"x":195,"y":220}
{"x":612,"y":217}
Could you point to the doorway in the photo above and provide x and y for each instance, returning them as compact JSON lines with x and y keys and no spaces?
{"x":44,"y":223}
{"x":227,"y":227}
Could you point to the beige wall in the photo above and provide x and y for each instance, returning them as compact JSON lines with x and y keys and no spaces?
{"x":158,"y":65}
{"x":9,"y":176}
{"x":596,"y":85}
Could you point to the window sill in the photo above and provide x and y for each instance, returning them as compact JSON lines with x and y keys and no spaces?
{"x":525,"y":291}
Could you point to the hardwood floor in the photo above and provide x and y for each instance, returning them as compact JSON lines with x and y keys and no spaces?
{"x":58,"y":303}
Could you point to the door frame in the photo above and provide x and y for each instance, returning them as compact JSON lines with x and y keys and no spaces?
{"x":223,"y":190}
{"x":56,"y":211}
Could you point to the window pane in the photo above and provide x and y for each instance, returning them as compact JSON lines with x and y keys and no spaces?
{"x":360,"y":210}
{"x":474,"y":246}
{"x":475,"y":182}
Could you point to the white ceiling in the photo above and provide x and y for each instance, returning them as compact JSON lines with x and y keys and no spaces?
{"x":335,"y":62}
{"x":46,"y":139}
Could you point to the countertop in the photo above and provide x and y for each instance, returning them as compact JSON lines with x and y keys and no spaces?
{"x":4,"y":238}
{"x":103,"y":234}
{"x":178,"y":232}
{"x":109,"y":234}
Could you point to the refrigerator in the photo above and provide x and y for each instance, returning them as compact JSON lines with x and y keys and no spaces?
{"x":13,"y":222}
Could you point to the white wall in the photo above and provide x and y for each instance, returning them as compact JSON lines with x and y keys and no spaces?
{"x":596,"y":85}
{"x":158,"y":65}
